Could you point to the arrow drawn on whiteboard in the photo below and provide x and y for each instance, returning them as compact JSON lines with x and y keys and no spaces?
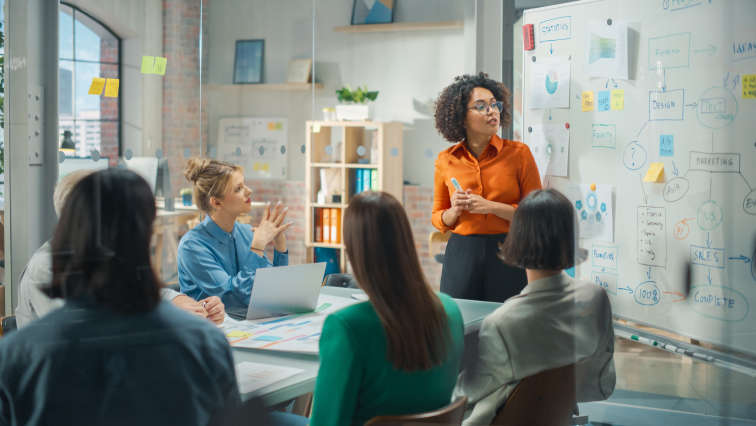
{"x":648,"y":273}
{"x":740,"y":258}
{"x":708,"y":240}
{"x":674,"y":169}
{"x":709,"y":275}
{"x":626,"y":288}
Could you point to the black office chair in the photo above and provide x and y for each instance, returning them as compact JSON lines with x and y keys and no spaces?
{"x":340,"y":280}
{"x":8,"y":325}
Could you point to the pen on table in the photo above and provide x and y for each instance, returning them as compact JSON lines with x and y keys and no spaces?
{"x":643,"y":340}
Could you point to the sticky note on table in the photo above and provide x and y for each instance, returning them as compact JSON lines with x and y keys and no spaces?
{"x":603,"y":100}
{"x":587,"y":99}
{"x":749,"y":86}
{"x":97,"y":85}
{"x":111,"y":88}
{"x":655,"y":173}
{"x":618,"y":99}
{"x":148,"y":64}
{"x":160,"y":64}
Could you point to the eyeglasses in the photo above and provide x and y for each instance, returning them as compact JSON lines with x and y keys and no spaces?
{"x":483,"y":108}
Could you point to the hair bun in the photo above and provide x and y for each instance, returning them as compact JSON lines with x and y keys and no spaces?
{"x":194,"y":168}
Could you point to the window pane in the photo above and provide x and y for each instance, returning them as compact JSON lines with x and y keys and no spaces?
{"x":86,"y":106}
{"x":65,"y":89}
{"x":93,"y":41}
{"x":65,"y":35}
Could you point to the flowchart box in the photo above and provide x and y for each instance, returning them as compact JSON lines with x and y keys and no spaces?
{"x":666,"y":105}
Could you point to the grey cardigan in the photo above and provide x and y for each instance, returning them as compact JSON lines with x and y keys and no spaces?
{"x":553,"y":322}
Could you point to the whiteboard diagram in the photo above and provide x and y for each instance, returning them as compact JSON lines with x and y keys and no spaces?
{"x":688,"y":103}
{"x":260,"y":145}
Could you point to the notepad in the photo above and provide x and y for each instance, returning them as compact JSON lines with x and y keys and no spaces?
{"x":252,"y":376}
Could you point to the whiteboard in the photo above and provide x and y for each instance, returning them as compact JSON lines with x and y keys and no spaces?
{"x":686,"y":101}
{"x":258,"y":144}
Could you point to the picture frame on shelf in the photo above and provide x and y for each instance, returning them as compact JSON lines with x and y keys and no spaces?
{"x":372,"y":12}
{"x":300,"y":71}
{"x":249,"y":61}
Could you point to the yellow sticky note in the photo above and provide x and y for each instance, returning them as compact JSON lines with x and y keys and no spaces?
{"x":316,"y":128}
{"x":587,"y":101}
{"x":237,"y":333}
{"x":618,"y":99}
{"x":97,"y":86}
{"x":749,"y":86}
{"x":655,"y":173}
{"x":111,"y":89}
{"x":261,"y":167}
{"x":148,"y":64}
{"x":160,"y":63}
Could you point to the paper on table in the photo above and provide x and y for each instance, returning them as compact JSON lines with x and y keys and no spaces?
{"x":607,"y":50}
{"x":550,"y":145}
{"x":291,"y":333}
{"x":550,"y":83}
{"x":594,"y":211}
{"x":252,"y":376}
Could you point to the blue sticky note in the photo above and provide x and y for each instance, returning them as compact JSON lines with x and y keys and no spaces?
{"x":603,"y":100}
{"x":666,"y":145}
{"x":570,"y":272}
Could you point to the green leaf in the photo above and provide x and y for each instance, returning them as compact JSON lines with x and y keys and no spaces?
{"x":372,"y":95}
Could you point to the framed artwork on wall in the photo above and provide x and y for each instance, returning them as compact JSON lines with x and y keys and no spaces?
{"x":372,"y":12}
{"x":249,"y":61}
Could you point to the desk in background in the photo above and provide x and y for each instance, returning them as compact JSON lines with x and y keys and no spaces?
{"x":473,"y":312}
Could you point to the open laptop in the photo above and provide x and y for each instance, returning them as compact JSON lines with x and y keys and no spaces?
{"x":281,"y":290}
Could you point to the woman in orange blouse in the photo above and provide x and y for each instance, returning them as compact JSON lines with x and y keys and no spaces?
{"x":493,"y":174}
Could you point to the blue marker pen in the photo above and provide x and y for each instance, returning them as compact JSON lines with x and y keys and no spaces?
{"x":456,"y":184}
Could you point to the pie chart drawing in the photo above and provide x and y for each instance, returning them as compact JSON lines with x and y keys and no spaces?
{"x":552,"y":82}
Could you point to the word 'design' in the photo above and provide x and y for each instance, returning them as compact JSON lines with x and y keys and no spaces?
{"x":555,"y":29}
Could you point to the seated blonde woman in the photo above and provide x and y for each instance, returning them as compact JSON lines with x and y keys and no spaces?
{"x":555,"y":321}
{"x":219,"y":257}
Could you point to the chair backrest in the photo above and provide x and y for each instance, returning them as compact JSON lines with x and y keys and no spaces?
{"x":340,"y":280}
{"x":546,"y":398}
{"x":8,"y":324}
{"x":436,"y":240}
{"x":450,"y":415}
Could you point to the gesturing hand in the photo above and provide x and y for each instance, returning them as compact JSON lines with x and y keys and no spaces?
{"x":215,"y":309}
{"x":271,"y":228}
{"x":477,"y":204}
{"x":460,"y":200}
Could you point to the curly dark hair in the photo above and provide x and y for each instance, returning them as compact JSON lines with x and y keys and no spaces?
{"x":451,"y":107}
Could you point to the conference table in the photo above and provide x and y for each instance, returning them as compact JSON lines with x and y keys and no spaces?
{"x":473,"y":312}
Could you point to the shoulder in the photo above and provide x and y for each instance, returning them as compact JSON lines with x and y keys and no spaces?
{"x":450,"y":306}
{"x":194,"y":240}
{"x":517,"y":147}
{"x":446,"y":154}
{"x":359,"y":319}
{"x":507,"y":316}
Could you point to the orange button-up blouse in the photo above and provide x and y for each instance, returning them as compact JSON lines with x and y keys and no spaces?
{"x":505,"y":172}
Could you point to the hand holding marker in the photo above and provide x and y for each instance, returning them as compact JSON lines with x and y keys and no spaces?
{"x":456,"y":184}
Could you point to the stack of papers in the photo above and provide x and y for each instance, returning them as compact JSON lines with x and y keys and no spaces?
{"x":291,"y":333}
{"x":252,"y":376}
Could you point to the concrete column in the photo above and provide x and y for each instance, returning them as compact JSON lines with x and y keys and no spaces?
{"x":31,"y":132}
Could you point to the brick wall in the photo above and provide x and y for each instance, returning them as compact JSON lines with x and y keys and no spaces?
{"x":184,"y":117}
{"x":109,"y":107}
{"x":418,"y":202}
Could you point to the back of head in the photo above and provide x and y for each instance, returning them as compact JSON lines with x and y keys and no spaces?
{"x":382,"y":253}
{"x":543,"y":233}
{"x":101,"y":247}
{"x":209,"y":178}
{"x":64,"y":186}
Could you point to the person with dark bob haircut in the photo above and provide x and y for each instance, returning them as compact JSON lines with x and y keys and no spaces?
{"x":114,"y":354}
{"x":477,"y":186}
{"x":554,"y":322}
{"x":399,"y":352}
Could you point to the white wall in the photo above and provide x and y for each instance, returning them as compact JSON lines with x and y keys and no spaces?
{"x":139,"y":24}
{"x":408,"y":68}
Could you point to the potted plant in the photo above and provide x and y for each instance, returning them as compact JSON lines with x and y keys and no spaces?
{"x":354,"y":103}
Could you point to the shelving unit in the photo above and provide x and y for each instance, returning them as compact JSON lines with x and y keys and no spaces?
{"x":401,"y":26}
{"x":336,"y":150}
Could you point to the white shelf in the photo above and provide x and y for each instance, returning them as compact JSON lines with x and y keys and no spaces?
{"x":401,"y":26}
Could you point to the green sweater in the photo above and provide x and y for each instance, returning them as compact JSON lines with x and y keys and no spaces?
{"x":356,"y":381}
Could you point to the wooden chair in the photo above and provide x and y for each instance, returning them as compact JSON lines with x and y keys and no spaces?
{"x":547,"y":398}
{"x":435,"y":240}
{"x":450,"y":415}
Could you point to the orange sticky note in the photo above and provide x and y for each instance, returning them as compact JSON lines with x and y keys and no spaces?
{"x":593,"y":187}
{"x":160,"y":63}
{"x":587,"y":101}
{"x":97,"y":85}
{"x":655,"y":173}
{"x":271,"y":125}
{"x":111,"y":89}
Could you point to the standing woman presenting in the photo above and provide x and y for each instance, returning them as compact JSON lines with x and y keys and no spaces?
{"x":478,"y":183}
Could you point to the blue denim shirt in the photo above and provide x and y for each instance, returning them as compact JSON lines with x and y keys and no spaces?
{"x":213,"y":262}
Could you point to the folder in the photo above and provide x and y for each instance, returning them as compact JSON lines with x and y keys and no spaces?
{"x":358,"y":175}
{"x":335,"y":226}
{"x":374,"y":179}
{"x":318,"y":225}
{"x":326,"y":225}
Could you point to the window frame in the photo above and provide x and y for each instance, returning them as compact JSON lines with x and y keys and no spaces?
{"x":76,"y":10}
